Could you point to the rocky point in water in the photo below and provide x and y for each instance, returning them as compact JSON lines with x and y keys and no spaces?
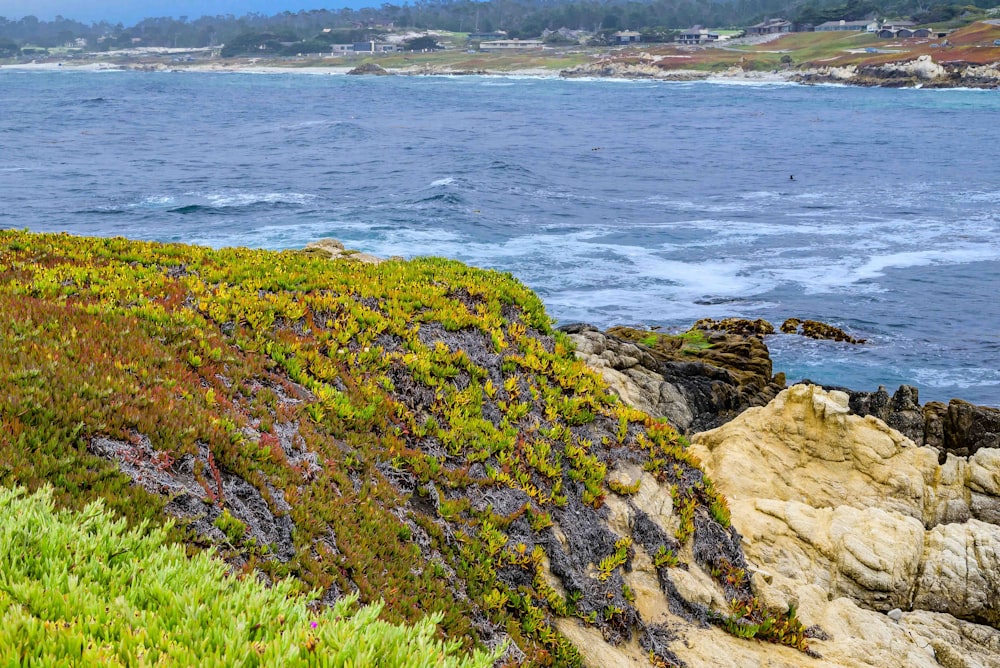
{"x":697,"y":380}
{"x":817,"y":330}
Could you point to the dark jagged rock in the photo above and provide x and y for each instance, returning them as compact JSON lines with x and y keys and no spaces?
{"x":817,"y":330}
{"x":968,"y":427}
{"x":958,"y":427}
{"x":696,"y":381}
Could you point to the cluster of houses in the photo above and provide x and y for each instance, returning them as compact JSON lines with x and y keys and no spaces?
{"x":363,"y":47}
{"x":894,"y":29}
{"x":884,"y":29}
{"x":499,"y":41}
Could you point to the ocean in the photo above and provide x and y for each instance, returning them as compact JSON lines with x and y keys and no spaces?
{"x":619,"y":202}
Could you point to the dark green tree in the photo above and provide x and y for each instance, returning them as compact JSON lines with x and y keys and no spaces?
{"x":424,"y":43}
{"x":8,"y":48}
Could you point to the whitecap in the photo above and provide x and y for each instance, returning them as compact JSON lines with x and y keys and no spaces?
{"x":819,"y":275}
{"x":223,"y":200}
{"x":960,"y":377}
{"x":153,"y":202}
{"x":750,"y":83}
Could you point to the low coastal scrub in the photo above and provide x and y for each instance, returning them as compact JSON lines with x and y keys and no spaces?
{"x":413,"y":432}
{"x":80,"y":588}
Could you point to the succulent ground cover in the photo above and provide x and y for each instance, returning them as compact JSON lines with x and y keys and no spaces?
{"x":80,"y":588}
{"x":413,"y":432}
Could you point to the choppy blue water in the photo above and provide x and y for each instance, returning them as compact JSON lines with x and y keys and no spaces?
{"x":618,"y":202}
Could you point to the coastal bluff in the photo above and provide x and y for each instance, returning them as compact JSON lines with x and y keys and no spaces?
{"x":417,"y":435}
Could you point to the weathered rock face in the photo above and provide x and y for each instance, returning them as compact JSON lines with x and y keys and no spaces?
{"x":694,"y":388}
{"x":850,"y":519}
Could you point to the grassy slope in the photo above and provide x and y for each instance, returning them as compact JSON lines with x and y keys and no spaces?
{"x":426,"y":389}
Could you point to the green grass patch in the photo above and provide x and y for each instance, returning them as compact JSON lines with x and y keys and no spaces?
{"x":80,"y":588}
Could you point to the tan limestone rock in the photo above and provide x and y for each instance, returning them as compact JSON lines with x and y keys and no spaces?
{"x":849,"y":519}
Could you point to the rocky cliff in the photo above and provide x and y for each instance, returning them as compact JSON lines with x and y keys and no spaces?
{"x":958,"y":427}
{"x":697,"y":380}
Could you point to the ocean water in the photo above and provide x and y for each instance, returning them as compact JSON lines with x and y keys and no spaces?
{"x":619,"y":202}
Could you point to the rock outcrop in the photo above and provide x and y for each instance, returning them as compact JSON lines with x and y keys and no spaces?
{"x":891,"y":549}
{"x":697,"y":385}
{"x":921,"y":72}
{"x":817,"y":330}
{"x":851,"y":520}
{"x":371,"y":69}
{"x":958,"y":427}
{"x":739,"y":326}
{"x":334,"y":250}
{"x":641,"y":66}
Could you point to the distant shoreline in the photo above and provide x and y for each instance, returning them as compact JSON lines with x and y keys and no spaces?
{"x":919,"y":73}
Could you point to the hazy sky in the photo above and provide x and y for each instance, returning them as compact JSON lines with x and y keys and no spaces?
{"x":131,"y":11}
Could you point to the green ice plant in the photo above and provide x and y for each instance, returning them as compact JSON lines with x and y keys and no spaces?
{"x":79,"y":588}
{"x":425,"y":369}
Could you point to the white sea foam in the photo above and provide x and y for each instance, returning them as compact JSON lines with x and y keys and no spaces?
{"x":962,"y":377}
{"x":607,"y":80}
{"x":309,"y":124}
{"x":525,"y":76}
{"x":153,"y":202}
{"x":992,"y":197}
{"x":224,"y":200}
{"x":750,"y":82}
{"x":819,"y":275}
